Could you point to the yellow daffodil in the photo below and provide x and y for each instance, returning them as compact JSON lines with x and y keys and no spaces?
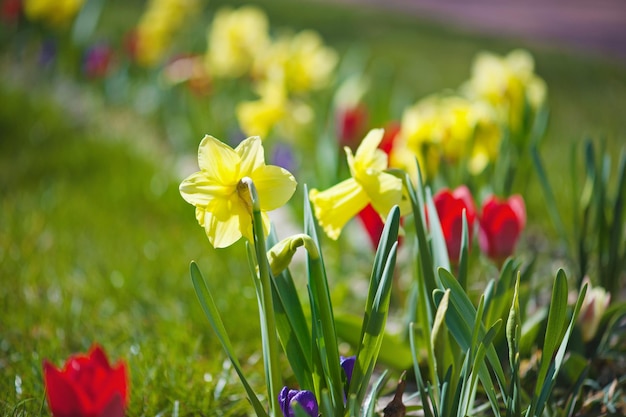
{"x":302,"y":61}
{"x":508,"y":83}
{"x":422,"y":132}
{"x":487,"y":138}
{"x":258,"y":117}
{"x":157,"y":26}
{"x":450,"y":128}
{"x":57,"y":13}
{"x":235,"y":39}
{"x":369,"y":184}
{"x":221,"y":197}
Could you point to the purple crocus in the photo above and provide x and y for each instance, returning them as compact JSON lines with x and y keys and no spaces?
{"x":347,"y":363}
{"x":305,"y":398}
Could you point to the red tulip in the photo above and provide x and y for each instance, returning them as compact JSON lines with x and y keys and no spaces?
{"x":450,"y":206}
{"x":87,"y":386}
{"x":501,"y":224}
{"x":373,"y":224}
{"x":391,"y":133}
{"x":10,"y":11}
{"x":351,"y":125}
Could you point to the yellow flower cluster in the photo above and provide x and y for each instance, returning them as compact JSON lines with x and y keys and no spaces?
{"x":56,"y":13}
{"x":446,"y":127}
{"x":157,"y":26}
{"x":503,"y":93}
{"x":239,"y":45}
{"x":235,"y":40}
{"x":509,"y":84}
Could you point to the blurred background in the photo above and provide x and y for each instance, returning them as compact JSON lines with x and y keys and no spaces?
{"x":96,"y":133}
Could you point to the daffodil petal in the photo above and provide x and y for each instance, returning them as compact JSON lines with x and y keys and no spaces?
{"x":275,"y":186}
{"x":369,"y":144}
{"x":335,"y":206}
{"x":218,"y":161}
{"x":384,"y":191}
{"x":225,"y":221}
{"x":251,"y":153}
{"x":199,"y":190}
{"x":367,"y":157}
{"x":200,"y":212}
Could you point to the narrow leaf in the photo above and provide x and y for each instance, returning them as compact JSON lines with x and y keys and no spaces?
{"x":212,"y":313}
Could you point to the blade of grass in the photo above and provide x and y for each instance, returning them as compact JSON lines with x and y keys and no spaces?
{"x":212,"y":313}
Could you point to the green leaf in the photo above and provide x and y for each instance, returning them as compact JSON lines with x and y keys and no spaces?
{"x":549,"y":198}
{"x":513,"y":335}
{"x":394,"y":351}
{"x":557,"y":316}
{"x":539,"y":401}
{"x":464,"y":253}
{"x":369,"y":406}
{"x":325,"y":336}
{"x":212,"y":313}
{"x":438,"y":240}
{"x":460,"y":320}
{"x":429,"y":404}
{"x":617,"y":260}
{"x":293,"y":329}
{"x":373,"y":330}
{"x":530,"y":331}
{"x":269,"y":333}
{"x":424,"y":253}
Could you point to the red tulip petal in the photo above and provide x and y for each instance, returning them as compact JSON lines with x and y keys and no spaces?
{"x":506,"y":235}
{"x":97,"y":356}
{"x":114,"y":408}
{"x":463,"y":193}
{"x":516,"y":202}
{"x":373,"y":224}
{"x":63,"y":398}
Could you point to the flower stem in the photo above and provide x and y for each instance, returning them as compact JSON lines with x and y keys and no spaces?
{"x":268,"y":320}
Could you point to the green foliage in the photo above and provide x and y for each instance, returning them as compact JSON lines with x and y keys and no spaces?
{"x":595,"y":239}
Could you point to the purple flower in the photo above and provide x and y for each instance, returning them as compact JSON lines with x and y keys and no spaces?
{"x":305,"y":398}
{"x":347,"y":363}
{"x":283,"y":157}
{"x":97,"y":61}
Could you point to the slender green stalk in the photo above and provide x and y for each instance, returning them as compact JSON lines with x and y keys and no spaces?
{"x":268,"y":321}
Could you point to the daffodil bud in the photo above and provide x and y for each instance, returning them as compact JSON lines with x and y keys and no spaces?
{"x":596,"y":302}
{"x":282,"y":253}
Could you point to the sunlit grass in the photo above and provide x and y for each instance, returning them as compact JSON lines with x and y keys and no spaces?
{"x":93,"y":251}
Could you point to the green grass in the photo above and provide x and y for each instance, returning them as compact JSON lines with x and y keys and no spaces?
{"x":95,"y":247}
{"x":95,"y":240}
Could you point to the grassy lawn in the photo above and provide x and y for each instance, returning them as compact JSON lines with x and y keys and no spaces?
{"x":95,"y":240}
